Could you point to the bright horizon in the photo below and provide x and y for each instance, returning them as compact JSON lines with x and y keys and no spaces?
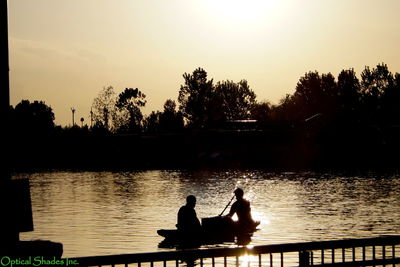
{"x":64,"y":52}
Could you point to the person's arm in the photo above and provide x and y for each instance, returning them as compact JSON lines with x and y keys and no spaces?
{"x":182,"y":218}
{"x":232,"y":211}
{"x":196,"y":220}
{"x":179,"y":219}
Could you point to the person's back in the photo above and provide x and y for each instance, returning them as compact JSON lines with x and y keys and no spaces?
{"x":187,"y":218}
{"x":242,"y":208}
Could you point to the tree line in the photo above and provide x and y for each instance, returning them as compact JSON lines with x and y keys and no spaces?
{"x":202,"y":103}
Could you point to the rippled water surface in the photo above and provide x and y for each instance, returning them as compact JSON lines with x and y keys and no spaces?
{"x":100,"y":213}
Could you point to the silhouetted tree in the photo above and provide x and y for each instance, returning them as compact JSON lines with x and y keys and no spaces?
{"x":261,"y":111}
{"x":375,"y":84}
{"x":348,"y":89}
{"x":151,"y":123}
{"x":103,"y":109}
{"x":235,"y":100}
{"x":195,"y":98}
{"x":75,"y":130}
{"x":32,"y":118}
{"x":170,"y":106}
{"x":329,"y":102}
{"x":128,"y":104}
{"x":308,"y":91}
{"x":348,"y":96}
{"x":316,"y":94}
{"x":170,"y":120}
{"x":203,"y":104}
{"x":391,"y":101}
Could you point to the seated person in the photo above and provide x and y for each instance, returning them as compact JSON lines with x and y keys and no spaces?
{"x":187,"y":218}
{"x":242,"y":208}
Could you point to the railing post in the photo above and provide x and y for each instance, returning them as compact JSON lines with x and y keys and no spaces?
{"x":373,"y":254}
{"x":394,"y":253}
{"x":363,"y":254}
{"x":322,"y":256}
{"x":343,"y":254}
{"x":304,"y":258}
{"x":271,"y":260}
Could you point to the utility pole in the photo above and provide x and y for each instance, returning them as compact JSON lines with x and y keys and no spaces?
{"x":73,"y":116}
{"x":91,"y":118}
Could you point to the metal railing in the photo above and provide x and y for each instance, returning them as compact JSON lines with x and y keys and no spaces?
{"x":382,"y":251}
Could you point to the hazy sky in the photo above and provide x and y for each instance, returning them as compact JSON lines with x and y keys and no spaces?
{"x":65,"y":51}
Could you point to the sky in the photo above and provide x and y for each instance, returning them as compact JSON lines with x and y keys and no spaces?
{"x":63,"y":52}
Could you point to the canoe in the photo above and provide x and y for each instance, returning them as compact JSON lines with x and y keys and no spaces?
{"x":214,"y":230}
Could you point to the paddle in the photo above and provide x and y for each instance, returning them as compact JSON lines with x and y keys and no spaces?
{"x":227,"y":205}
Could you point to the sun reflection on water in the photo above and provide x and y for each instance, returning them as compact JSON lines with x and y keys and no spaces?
{"x":246,"y":260}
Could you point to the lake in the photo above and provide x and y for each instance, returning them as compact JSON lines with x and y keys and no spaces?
{"x":102,"y":213}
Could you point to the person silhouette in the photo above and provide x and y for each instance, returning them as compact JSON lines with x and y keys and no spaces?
{"x":242,"y":208}
{"x":188,"y":223}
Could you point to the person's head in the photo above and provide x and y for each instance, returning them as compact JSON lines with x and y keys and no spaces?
{"x":191,"y":201}
{"x":239,"y":193}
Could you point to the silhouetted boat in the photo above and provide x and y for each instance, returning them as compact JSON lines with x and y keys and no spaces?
{"x":214,"y":230}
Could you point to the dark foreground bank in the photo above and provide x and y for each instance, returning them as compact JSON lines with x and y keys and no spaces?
{"x":283,"y":148}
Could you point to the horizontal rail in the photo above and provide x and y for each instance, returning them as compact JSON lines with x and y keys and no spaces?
{"x":239,"y":251}
{"x":381,"y":262}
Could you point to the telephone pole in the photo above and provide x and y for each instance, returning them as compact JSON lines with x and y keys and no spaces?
{"x":73,"y":116}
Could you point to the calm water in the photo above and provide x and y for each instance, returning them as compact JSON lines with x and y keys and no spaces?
{"x":99,"y":213}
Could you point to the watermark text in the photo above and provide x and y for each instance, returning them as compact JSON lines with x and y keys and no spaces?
{"x":36,"y":261}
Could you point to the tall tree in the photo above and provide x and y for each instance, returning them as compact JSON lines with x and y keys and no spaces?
{"x":151,"y":123}
{"x":348,"y":89}
{"x":316,"y":94}
{"x":103,"y":108}
{"x":128,"y":104}
{"x":308,"y":93}
{"x":170,"y":119}
{"x":195,"y":98}
{"x":32,"y":118}
{"x":375,"y":84}
{"x":261,"y":111}
{"x":287,"y":109}
{"x":236,"y":99}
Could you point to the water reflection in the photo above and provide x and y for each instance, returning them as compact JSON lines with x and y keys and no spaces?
{"x":96,"y":213}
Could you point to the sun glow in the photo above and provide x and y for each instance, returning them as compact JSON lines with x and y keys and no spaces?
{"x":240,"y":13}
